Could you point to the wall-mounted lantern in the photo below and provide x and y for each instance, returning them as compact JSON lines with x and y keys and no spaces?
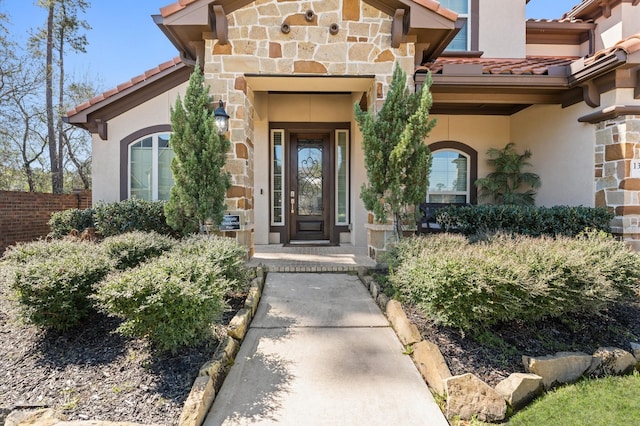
{"x":221,"y":118}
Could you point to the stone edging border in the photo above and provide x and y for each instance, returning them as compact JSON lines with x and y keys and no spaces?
{"x":213,"y":372}
{"x":474,"y":398}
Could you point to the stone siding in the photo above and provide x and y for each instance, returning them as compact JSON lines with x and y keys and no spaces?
{"x":308,"y":44}
{"x":617,"y":174}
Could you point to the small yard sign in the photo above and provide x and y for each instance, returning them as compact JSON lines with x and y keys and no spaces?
{"x":230,"y":222}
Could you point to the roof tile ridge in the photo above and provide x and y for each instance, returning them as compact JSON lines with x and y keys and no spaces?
{"x":436,"y":7}
{"x":126,"y":85}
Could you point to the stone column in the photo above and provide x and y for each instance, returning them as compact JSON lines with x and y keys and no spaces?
{"x":617,"y":174}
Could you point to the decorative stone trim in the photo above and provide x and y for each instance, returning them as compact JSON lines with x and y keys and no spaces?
{"x":489,"y":404}
{"x":617,"y":174}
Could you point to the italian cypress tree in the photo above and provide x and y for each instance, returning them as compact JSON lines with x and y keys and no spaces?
{"x":200,"y":183}
{"x":396,"y":159}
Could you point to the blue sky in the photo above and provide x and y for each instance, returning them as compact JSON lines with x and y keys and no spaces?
{"x":124,"y":42}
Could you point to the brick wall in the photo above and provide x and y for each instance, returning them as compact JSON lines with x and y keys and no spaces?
{"x":24,"y":216}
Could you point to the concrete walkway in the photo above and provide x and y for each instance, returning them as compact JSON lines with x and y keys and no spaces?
{"x":320,"y":352}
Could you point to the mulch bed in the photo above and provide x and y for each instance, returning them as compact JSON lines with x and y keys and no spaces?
{"x":493,"y":354}
{"x":94,"y":373}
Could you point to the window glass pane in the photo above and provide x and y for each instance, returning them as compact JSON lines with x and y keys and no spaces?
{"x":448,"y":172}
{"x":165,"y":176}
{"x":141,"y":163}
{"x":459,"y":42}
{"x":277,"y":177}
{"x":460,"y":6}
{"x":342,"y":172}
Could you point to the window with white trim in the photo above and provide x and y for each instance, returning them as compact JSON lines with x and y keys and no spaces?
{"x":342,"y":177}
{"x":277,"y":177}
{"x":449,"y":177}
{"x":150,"y":176}
{"x":461,"y":41}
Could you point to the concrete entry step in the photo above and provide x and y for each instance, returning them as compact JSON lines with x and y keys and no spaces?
{"x":320,"y":352}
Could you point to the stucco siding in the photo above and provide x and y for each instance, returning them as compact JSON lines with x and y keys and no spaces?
{"x":106,"y":154}
{"x":502,"y":29}
{"x":563,"y":152}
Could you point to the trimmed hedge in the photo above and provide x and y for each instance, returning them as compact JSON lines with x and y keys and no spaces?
{"x":131,"y":249}
{"x":228,"y":255}
{"x":503,"y":278}
{"x":63,"y":222}
{"x":534,"y":221}
{"x":53,"y":280}
{"x":131,"y":215}
{"x":175,"y":299}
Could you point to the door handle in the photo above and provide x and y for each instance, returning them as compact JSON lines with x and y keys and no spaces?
{"x":293,"y":201}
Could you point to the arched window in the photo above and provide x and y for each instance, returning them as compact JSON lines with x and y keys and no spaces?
{"x":453,"y":172}
{"x":146,"y":159}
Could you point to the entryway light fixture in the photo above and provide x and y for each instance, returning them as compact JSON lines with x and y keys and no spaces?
{"x":222,"y":118}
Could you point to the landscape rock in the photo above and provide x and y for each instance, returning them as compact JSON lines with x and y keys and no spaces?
{"x":198,"y":403}
{"x":382,"y":300}
{"x":239,"y":324}
{"x":468,"y":396}
{"x":612,"y":361}
{"x":520,"y":388}
{"x":41,"y":417}
{"x":431,"y":365}
{"x":374,"y":289}
{"x":253,"y":298}
{"x":563,"y":367}
{"x":407,"y":332}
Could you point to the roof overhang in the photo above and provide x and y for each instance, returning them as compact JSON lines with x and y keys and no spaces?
{"x":424,"y":22}
{"x":94,"y":117}
{"x":560,"y":32}
{"x":496,"y":94}
{"x":309,"y":83}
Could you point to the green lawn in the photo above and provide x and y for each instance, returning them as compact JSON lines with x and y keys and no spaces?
{"x":594,"y":402}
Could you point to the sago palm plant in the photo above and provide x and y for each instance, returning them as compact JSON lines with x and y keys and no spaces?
{"x":508,"y":184}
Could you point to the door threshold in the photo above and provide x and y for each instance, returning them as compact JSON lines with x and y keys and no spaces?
{"x":309,"y":243}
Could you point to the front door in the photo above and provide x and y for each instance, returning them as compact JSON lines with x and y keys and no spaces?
{"x":309,"y":201}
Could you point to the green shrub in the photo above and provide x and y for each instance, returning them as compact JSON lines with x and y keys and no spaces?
{"x":172,"y":300}
{"x":53,"y":280}
{"x":130,"y":249}
{"x":502,"y":278}
{"x":228,"y":255}
{"x":131,"y":215}
{"x":534,"y":221}
{"x":63,"y":222}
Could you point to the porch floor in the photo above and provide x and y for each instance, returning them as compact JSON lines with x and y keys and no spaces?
{"x":278,"y":258}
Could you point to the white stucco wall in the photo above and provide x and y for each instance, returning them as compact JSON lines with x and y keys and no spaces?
{"x":105,"y":161}
{"x":479,"y":132}
{"x":563,"y":152}
{"x":563,"y":148}
{"x":502,"y":32}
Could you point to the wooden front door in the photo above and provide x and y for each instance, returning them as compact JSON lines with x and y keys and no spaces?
{"x":309,"y":200}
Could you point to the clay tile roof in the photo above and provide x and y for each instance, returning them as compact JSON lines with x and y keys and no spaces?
{"x":434,"y":6}
{"x":532,"y":65}
{"x":175,"y":7}
{"x":564,"y":19}
{"x":124,"y":86}
{"x":629,"y":45}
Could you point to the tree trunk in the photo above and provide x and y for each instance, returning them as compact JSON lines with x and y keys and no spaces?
{"x":56,"y":176}
{"x":60,"y":127}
